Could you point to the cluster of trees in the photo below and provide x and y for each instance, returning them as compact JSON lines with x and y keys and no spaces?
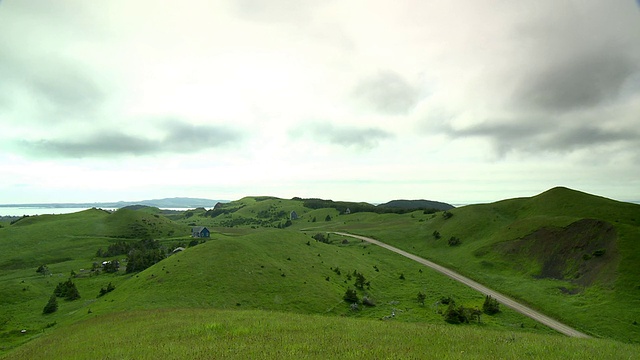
{"x":108,"y":289}
{"x":458,"y":314}
{"x":140,"y":255}
{"x":66,"y":290}
{"x":453,"y":241}
{"x":354,"y":207}
{"x":221,"y":209}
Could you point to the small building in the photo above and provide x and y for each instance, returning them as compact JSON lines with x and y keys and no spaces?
{"x":348,"y":211}
{"x":294,"y":215}
{"x":200,"y":232}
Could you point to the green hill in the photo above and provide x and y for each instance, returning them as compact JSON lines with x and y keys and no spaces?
{"x":568,"y":253}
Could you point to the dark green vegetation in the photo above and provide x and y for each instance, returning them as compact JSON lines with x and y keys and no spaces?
{"x":566,"y":253}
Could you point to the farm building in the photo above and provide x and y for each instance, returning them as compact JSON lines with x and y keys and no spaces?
{"x":200,"y":232}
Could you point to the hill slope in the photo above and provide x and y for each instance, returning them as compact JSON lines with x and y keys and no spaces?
{"x":569,"y":253}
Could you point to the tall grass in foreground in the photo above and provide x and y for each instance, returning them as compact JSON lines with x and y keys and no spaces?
{"x":230,"y":334}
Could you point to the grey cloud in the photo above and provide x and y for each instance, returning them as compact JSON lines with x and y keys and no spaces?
{"x":388,"y":93}
{"x":56,"y":89}
{"x":179,"y":138}
{"x":574,"y":56}
{"x":536,"y":136}
{"x":364,"y":138}
{"x":576,"y":83}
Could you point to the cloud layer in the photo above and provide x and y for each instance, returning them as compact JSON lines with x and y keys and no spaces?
{"x":506,"y":88}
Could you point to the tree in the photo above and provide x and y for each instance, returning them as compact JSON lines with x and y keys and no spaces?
{"x":447,"y":215}
{"x":454,"y":241}
{"x":457,"y":314}
{"x":491,"y":306}
{"x":351,"y":296}
{"x":360,"y":280}
{"x":52,"y":305}
{"x":67,"y":290}
{"x":328,"y":218}
{"x":436,"y":234}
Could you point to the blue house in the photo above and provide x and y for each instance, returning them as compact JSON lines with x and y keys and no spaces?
{"x":200,"y":232}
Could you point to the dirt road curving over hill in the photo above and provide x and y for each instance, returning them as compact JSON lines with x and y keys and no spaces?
{"x":562,"y":328}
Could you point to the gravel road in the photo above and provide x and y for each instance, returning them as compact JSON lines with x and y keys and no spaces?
{"x":506,"y":301}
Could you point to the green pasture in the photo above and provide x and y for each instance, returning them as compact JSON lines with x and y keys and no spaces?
{"x":261,"y":334}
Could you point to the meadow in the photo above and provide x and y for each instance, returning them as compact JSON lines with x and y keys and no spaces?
{"x":256,"y":334}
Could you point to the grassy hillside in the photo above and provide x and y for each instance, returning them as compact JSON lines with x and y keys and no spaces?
{"x":241,"y":334}
{"x":570,"y":254}
{"x":65,"y":243}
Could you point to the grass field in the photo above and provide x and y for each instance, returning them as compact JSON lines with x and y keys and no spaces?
{"x":256,"y":334}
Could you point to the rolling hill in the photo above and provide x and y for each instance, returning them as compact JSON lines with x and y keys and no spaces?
{"x":569,"y":254}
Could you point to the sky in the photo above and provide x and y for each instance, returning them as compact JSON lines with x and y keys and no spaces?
{"x":461,"y":101}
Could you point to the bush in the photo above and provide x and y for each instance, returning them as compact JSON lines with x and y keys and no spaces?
{"x":421,"y":297}
{"x":108,"y":289}
{"x":454,"y":241}
{"x":599,"y":252}
{"x":457,"y":314}
{"x":491,"y":306}
{"x":436,"y":234}
{"x":328,"y":218}
{"x":351,"y":296}
{"x":43,"y":269}
{"x":447,"y":300}
{"x":321,"y":238}
{"x":447,"y":215}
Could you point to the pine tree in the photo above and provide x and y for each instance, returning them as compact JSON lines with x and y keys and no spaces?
{"x":52,"y":305}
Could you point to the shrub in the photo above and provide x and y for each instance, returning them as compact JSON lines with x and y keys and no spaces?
{"x":447,"y":300}
{"x":447,"y":215}
{"x":43,"y":269}
{"x":108,"y":289}
{"x":436,"y":234}
{"x":321,"y":238}
{"x":454,"y":241}
{"x":421,"y":297}
{"x":599,"y":252}
{"x":457,"y":314}
{"x":351,"y":296}
{"x":491,"y":306}
{"x":328,"y":218}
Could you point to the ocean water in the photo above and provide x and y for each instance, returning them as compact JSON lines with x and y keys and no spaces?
{"x":20,"y":211}
{"x":32,"y":210}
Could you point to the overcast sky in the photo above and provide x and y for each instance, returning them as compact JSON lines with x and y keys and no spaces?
{"x":453,"y":100}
